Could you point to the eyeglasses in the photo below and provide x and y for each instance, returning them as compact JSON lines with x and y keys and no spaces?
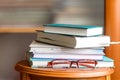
{"x":84,"y":64}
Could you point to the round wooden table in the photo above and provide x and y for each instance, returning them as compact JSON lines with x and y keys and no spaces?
{"x":28,"y":73}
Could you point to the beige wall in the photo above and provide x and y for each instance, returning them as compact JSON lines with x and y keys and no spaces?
{"x":12,"y":50}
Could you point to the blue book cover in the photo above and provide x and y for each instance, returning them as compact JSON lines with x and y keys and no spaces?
{"x":72,"y":26}
{"x":40,"y":59}
{"x":42,"y":62}
{"x":105,"y":59}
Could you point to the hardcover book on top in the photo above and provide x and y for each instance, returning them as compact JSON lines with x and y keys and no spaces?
{"x":71,"y":29}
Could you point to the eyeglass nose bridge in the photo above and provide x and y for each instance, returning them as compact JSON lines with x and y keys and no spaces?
{"x":74,"y":62}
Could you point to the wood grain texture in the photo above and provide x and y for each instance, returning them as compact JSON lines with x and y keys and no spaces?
{"x":20,"y":29}
{"x":112,"y":28}
{"x":98,"y":73}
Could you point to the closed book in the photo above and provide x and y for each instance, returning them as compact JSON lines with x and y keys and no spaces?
{"x":65,"y":56}
{"x":36,"y":44}
{"x":42,"y":62}
{"x":69,"y":51}
{"x":73,"y":41}
{"x":72,"y":29}
{"x":39,"y":47}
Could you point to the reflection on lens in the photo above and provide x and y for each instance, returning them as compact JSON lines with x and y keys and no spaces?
{"x":61,"y":66}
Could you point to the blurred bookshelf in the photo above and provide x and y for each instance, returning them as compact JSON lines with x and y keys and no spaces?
{"x":25,"y":16}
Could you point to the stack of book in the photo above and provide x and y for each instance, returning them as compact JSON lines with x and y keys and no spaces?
{"x":72,"y":42}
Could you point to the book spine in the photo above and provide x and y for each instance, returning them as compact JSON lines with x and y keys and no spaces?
{"x":43,"y":64}
{"x":67,"y":56}
{"x":66,"y":50}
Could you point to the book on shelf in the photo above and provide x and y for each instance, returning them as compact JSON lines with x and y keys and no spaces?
{"x":73,"y":41}
{"x":65,"y":55}
{"x":73,"y":29}
{"x":39,"y":47}
{"x":42,"y":62}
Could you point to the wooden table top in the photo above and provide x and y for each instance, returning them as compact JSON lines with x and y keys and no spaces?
{"x":23,"y":66}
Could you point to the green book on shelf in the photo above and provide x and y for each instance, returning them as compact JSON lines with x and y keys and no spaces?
{"x":72,"y":29}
